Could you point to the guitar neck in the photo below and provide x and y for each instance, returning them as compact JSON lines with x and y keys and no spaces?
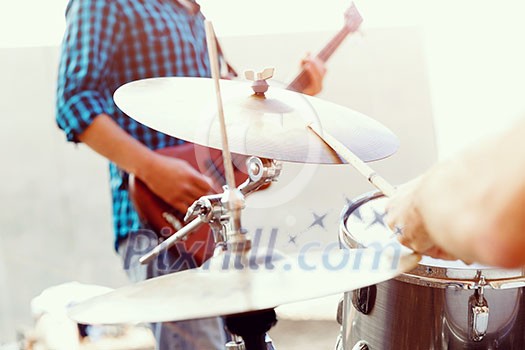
{"x":302,"y":79}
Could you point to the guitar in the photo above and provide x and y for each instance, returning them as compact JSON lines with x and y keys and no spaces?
{"x":165,"y":220}
{"x":352,"y":23}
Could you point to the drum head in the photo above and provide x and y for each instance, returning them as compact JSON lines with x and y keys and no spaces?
{"x":364,"y":225}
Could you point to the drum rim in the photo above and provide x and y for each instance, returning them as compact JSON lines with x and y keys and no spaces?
{"x":431,"y":275}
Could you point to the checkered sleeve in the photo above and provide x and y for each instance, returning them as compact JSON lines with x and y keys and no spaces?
{"x":92,"y":33}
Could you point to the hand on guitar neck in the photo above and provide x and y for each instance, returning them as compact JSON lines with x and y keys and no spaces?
{"x":309,"y":80}
{"x":315,"y":70}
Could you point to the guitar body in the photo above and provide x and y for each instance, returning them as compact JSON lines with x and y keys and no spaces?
{"x":158,"y":215}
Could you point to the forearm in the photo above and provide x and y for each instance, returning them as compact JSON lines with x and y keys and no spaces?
{"x":108,"y":139}
{"x":473,"y":204}
{"x":174,"y":180}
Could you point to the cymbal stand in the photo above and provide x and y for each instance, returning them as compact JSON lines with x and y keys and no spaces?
{"x":215,"y":210}
{"x":233,"y":202}
{"x":252,"y":328}
{"x":248,"y":329}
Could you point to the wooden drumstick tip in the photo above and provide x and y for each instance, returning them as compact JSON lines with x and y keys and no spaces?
{"x":380,"y":183}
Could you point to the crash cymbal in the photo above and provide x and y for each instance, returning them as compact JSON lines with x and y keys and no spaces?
{"x":222,"y":287}
{"x":273,"y":127}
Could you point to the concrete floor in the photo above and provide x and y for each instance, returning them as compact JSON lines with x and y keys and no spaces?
{"x":301,"y":335}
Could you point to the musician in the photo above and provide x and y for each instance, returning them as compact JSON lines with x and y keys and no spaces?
{"x":470,"y":207}
{"x":107,"y":44}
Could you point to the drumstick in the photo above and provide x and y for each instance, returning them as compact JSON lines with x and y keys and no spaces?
{"x":374,"y":178}
{"x":234,"y":204}
{"x":214,"y":63}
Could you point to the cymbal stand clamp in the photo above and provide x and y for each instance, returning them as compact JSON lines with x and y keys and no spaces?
{"x":216,"y":210}
{"x":261,"y":172}
{"x":211,"y":211}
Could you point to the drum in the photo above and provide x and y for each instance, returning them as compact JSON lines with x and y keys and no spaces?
{"x":439,"y":305}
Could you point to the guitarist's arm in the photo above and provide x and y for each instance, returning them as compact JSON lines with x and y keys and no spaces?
{"x":174,"y":180}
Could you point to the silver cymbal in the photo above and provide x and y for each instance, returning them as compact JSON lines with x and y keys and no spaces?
{"x":221,"y":288}
{"x":273,"y":127}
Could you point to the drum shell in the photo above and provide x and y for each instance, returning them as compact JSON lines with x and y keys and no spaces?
{"x":411,"y":316}
{"x":431,"y":307}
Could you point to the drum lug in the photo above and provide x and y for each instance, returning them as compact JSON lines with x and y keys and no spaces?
{"x":339,"y":342}
{"x":269,"y":343}
{"x":339,"y":315}
{"x":478,"y":313}
{"x":235,"y":345}
{"x":361,"y":345}
{"x":364,"y":299}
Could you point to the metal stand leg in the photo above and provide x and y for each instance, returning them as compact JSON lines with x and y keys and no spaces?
{"x":252,"y":327}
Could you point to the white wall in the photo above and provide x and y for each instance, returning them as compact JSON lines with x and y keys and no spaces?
{"x":55,"y":217}
{"x":475,"y":56}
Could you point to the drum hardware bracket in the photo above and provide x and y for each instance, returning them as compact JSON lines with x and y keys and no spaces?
{"x":364,"y":299}
{"x":339,"y":342}
{"x":478,"y":311}
{"x":261,"y":171}
{"x":340,"y":311}
{"x":217,"y":210}
{"x":361,"y":345}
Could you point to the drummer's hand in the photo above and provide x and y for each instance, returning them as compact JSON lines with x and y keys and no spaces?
{"x":176,"y":181}
{"x":315,"y":69}
{"x":404,"y":218}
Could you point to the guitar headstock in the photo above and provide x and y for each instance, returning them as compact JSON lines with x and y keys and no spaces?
{"x":353,"y":18}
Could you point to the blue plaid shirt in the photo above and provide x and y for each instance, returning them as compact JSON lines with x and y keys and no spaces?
{"x":108,"y":43}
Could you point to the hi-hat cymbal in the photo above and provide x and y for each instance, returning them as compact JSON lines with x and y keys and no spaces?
{"x":221,"y":288}
{"x":273,"y":127}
